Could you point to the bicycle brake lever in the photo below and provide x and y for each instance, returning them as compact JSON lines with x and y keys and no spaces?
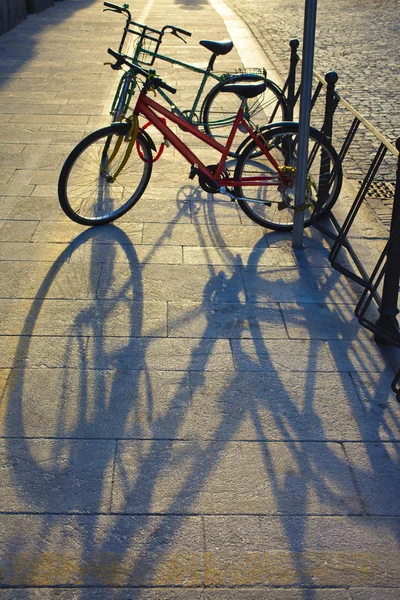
{"x":178,"y":36}
{"x":114,"y":66}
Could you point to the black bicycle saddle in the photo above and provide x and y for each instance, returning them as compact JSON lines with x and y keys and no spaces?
{"x":218,"y":48}
{"x":246,"y":90}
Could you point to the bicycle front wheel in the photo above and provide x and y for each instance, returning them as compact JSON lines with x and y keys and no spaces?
{"x":272,"y":205}
{"x":87,"y":191}
{"x":220,"y":109}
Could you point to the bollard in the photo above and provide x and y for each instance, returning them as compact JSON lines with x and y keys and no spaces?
{"x":388,"y":309}
{"x":331,"y":79}
{"x":294,"y":59}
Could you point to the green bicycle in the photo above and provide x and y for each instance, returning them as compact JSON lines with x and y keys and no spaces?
{"x":215,"y":113}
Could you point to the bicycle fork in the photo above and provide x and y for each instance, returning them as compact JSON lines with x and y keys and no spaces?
{"x":131,"y":139}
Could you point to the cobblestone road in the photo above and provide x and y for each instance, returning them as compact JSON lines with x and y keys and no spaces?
{"x":358,"y":40}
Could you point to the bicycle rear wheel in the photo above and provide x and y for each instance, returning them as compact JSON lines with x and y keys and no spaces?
{"x":86,"y":191}
{"x":220,"y":109}
{"x":272,"y":206}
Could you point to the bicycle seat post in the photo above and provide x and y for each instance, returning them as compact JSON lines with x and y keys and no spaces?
{"x":211,"y":62}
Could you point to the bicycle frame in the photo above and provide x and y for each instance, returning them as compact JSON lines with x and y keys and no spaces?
{"x":148,"y":108}
{"x":207,"y":73}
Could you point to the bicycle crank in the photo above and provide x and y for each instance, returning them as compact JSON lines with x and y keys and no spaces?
{"x":207,"y":184}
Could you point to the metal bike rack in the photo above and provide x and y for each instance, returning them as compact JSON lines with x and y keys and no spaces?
{"x":381,"y":288}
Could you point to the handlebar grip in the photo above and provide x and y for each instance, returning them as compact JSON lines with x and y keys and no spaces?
{"x":183,"y":31}
{"x":114,"y":7}
{"x":122,"y":59}
{"x":167,"y":87}
{"x":114,"y":54}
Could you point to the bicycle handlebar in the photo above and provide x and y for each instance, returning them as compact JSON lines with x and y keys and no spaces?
{"x":124,"y":10}
{"x":119,"y":9}
{"x":155,"y":82}
{"x":165,"y":86}
{"x":175,"y":31}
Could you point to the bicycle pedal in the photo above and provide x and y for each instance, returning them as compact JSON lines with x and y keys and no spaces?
{"x":193,"y":172}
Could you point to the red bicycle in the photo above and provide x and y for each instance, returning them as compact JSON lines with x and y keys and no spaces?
{"x":107,"y":172}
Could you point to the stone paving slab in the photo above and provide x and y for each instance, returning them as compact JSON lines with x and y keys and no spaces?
{"x":326,"y":321}
{"x":113,"y":254}
{"x":38,"y":476}
{"x":22,"y":251}
{"x":232,"y":235}
{"x":179,"y":594}
{"x":179,"y":541}
{"x":41,"y":352}
{"x":163,"y":354}
{"x":220,"y":405}
{"x":68,"y":231}
{"x":19,"y":232}
{"x":226,"y":320}
{"x":375,"y":467}
{"x":105,"y":594}
{"x":22,"y":280}
{"x":258,"y":405}
{"x":273,"y":355}
{"x":117,"y":404}
{"x":319,"y":563}
{"x":77,"y":318}
{"x":378,"y":593}
{"x":275,"y":594}
{"x":377,"y":399}
{"x":167,"y":282}
{"x":231,"y":477}
{"x":263,"y":257}
{"x":308,"y":285}
{"x":138,"y":551}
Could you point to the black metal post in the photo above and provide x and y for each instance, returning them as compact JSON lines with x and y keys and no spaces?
{"x":389,"y":306}
{"x":325,"y":174}
{"x":294,"y":59}
{"x":331,"y":79}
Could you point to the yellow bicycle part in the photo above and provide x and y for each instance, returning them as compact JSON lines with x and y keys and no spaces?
{"x":290,"y":172}
{"x":131,"y":139}
{"x":259,"y":132}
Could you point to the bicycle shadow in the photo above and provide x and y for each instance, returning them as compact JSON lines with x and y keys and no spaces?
{"x":165,"y":472}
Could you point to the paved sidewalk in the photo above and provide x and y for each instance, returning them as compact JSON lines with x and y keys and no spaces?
{"x":188,"y":408}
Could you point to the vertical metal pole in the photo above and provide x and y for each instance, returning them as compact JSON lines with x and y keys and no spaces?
{"x":294,"y":59}
{"x":310,"y":18}
{"x":390,"y":293}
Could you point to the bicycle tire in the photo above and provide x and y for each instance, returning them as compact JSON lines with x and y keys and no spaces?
{"x":275,"y":209}
{"x":219,"y":109}
{"x":85,"y":192}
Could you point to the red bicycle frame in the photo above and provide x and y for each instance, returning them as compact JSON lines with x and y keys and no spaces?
{"x":146,"y":107}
